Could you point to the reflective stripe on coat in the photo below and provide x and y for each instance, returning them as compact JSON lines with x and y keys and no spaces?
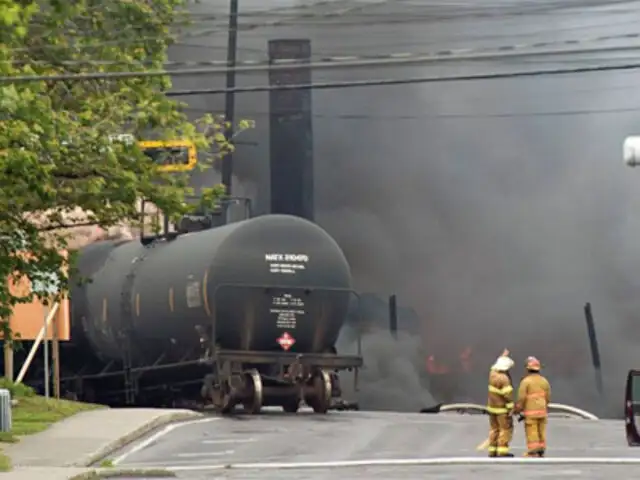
{"x":534,"y":395}
{"x":500,"y":400}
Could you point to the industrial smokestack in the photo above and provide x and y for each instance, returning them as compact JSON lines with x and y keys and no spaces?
{"x":291,"y":133}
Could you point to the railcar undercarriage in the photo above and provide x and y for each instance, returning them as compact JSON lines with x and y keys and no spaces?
{"x":222,"y":381}
{"x":258,"y":379}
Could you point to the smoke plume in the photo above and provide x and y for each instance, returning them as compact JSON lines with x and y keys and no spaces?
{"x":391,"y":378}
{"x":495,"y":208}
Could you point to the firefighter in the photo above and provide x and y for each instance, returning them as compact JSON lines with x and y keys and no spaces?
{"x":534,"y":396}
{"x":500,"y":407}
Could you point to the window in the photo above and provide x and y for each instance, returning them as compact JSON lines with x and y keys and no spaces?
{"x":176,"y":156}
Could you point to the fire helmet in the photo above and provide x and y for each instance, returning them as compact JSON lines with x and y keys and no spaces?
{"x":533,"y":364}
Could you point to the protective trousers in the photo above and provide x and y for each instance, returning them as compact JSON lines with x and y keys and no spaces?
{"x":535,"y":430}
{"x":500,"y":434}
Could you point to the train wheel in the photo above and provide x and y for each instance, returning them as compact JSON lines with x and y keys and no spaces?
{"x":320,"y":398}
{"x":253,"y":385}
{"x":291,"y":405}
{"x":221,"y":398}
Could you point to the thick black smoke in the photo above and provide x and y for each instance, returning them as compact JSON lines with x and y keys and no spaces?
{"x":391,"y":379}
{"x":494,"y":217}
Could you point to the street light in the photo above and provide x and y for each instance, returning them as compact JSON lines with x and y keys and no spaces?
{"x":631,"y":151}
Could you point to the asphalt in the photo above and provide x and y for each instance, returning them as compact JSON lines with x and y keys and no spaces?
{"x":373,"y":445}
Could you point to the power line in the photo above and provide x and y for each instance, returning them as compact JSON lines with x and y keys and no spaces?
{"x":478,"y":53}
{"x":251,"y":68}
{"x":288,"y":22}
{"x":408,"y":81}
{"x":354,"y":16}
{"x":445,"y":116}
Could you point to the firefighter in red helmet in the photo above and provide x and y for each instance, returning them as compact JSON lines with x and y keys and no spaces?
{"x":534,"y":396}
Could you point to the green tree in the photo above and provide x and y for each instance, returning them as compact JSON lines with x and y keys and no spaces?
{"x":57,"y":153}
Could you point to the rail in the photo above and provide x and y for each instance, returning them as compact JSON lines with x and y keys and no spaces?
{"x":553,"y":407}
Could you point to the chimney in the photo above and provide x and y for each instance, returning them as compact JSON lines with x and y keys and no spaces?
{"x":291,"y":132}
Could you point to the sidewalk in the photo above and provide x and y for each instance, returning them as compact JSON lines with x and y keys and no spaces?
{"x":42,"y":473}
{"x":83,"y":439}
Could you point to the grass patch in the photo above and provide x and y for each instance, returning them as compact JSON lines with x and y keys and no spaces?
{"x":132,"y":473}
{"x":8,"y":437}
{"x":34,"y":414}
{"x":5,"y":463}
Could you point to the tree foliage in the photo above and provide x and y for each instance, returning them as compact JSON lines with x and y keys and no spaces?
{"x":56,"y":149}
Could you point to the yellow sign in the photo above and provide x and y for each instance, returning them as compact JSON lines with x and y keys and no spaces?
{"x":172,"y":155}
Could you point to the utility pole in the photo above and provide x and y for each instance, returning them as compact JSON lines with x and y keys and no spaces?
{"x":229,"y":103}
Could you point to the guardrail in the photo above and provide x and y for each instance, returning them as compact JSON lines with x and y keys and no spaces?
{"x":553,"y":408}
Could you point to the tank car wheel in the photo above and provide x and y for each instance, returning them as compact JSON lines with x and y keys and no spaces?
{"x":320,"y":399}
{"x":253,"y":385}
{"x":291,"y":405}
{"x":221,"y":397}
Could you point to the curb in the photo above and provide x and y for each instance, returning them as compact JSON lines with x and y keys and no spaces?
{"x":132,"y":436}
{"x":124,"y":473}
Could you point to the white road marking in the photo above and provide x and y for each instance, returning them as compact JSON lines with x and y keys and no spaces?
{"x":229,"y":440}
{"x":560,"y":473}
{"x":156,"y":436}
{"x":205,"y":454}
{"x":442,"y":461}
{"x":551,"y":449}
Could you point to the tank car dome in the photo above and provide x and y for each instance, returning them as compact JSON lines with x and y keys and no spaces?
{"x":281,"y":249}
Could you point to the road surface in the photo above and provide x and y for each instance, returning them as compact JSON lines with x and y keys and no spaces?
{"x":277,"y":441}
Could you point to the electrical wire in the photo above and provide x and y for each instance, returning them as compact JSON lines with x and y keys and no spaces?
{"x":223,"y":28}
{"x":397,"y":58}
{"x":289,"y":20}
{"x":369,"y":117}
{"x":406,"y":81}
{"x":352,"y":16}
{"x":290,"y":66}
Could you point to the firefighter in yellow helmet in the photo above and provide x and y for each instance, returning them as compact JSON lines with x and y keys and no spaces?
{"x":534,"y":396}
{"x":500,"y":407}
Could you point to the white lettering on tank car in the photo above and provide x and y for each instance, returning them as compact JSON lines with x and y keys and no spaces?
{"x":287,"y":263}
{"x":194,"y":299}
{"x":287,"y":308}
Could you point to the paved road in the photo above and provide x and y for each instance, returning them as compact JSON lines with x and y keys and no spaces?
{"x":195,"y":450}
